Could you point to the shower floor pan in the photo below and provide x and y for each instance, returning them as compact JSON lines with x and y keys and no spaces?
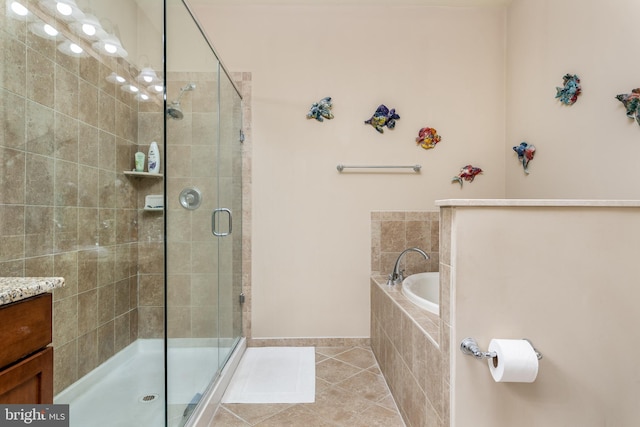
{"x":128,"y":389}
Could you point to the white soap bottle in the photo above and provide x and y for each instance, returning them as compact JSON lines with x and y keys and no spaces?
{"x":153,"y":158}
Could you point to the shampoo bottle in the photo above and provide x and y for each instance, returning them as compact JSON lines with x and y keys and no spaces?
{"x":153,"y":158}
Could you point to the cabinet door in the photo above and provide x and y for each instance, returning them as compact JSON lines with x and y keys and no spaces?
{"x":26,"y":328}
{"x":29,"y":381}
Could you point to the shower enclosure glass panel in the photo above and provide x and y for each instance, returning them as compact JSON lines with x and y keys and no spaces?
{"x":149,"y":312}
{"x":203,"y":170}
{"x":229,"y":197}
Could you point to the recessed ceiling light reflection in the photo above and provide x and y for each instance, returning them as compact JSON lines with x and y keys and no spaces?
{"x":88,"y":27}
{"x":115,"y":78}
{"x":143,"y":97}
{"x":49,"y":30}
{"x":89,"y":30}
{"x":71,"y":49}
{"x":45,"y":31}
{"x":64,"y":9}
{"x":147,"y":76}
{"x":68,"y":10}
{"x":130,"y":88}
{"x":110,"y":46}
{"x":156,"y":88}
{"x":17,"y":10}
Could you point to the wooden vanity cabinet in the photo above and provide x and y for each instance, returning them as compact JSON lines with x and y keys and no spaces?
{"x":26,"y":361}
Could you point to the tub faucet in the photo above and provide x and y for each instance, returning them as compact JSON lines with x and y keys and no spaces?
{"x":396,"y":275}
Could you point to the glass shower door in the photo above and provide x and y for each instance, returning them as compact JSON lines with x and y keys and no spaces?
{"x":203,"y":252}
{"x":229,"y":226}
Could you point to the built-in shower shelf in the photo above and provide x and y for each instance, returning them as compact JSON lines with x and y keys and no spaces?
{"x":154,"y":209}
{"x":143,"y":174}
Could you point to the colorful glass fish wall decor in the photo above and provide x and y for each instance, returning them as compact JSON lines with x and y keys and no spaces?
{"x":525,"y":154}
{"x":428,"y":138}
{"x":467,"y":173}
{"x":383,"y":117}
{"x":568,"y":94}
{"x":321,"y":110}
{"x":631,"y":102}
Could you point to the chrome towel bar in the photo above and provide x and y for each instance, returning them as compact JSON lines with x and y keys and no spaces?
{"x":416,"y":168}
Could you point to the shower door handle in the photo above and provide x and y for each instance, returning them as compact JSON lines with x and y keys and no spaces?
{"x":214,"y":228}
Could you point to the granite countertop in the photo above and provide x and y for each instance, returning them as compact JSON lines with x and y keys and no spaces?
{"x":14,"y":289}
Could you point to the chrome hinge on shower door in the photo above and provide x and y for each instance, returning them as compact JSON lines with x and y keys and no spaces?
{"x":214,"y":226}
{"x":241,"y":136}
{"x":241,"y":298}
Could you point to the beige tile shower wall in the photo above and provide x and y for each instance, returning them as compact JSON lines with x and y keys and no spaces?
{"x":150,"y":229}
{"x":66,"y":208}
{"x":192,"y":262}
{"x":150,"y":258}
{"x":201,"y":147}
{"x":393,"y":232}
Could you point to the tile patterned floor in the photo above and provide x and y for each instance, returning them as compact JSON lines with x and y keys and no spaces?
{"x":350,"y":392}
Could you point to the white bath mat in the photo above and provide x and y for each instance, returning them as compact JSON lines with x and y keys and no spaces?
{"x":274,"y":375}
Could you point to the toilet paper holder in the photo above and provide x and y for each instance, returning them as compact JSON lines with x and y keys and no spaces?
{"x":470,"y":347}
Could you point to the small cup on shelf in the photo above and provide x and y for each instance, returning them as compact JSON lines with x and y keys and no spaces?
{"x":139,"y":156}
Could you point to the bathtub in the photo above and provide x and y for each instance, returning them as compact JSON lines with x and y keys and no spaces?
{"x":423,"y":289}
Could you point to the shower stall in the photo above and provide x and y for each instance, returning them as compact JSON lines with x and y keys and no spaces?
{"x":151,"y":311}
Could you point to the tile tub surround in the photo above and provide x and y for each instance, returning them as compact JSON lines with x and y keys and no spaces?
{"x":14,"y":289}
{"x":411,"y":346}
{"x":393,"y":232}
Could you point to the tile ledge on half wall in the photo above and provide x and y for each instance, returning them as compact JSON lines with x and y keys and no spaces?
{"x":537,"y":202}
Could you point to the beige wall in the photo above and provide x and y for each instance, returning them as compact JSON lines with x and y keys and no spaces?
{"x":587,"y":150}
{"x":439,"y":67}
{"x":565,"y":278}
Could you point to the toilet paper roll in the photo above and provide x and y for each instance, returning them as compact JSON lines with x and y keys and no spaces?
{"x":515,"y":362}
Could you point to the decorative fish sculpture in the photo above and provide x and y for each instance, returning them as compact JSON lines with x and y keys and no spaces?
{"x":383,"y":117}
{"x":467,"y":173}
{"x":569,"y":93}
{"x":525,"y":154}
{"x":631,"y":102}
{"x":428,"y":138}
{"x":321,"y":110}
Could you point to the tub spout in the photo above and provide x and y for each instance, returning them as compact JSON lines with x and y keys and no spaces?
{"x":397,"y":275}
